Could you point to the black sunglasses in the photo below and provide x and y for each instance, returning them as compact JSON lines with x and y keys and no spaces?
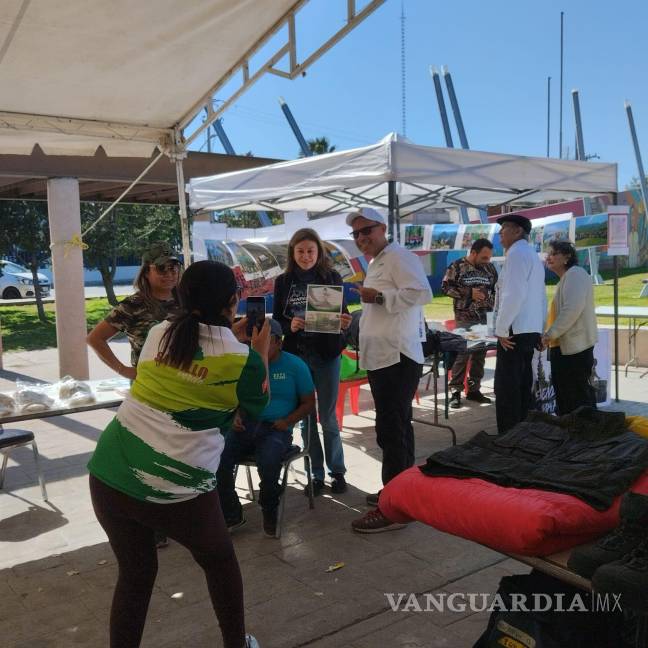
{"x":365,"y":231}
{"x":167,"y":268}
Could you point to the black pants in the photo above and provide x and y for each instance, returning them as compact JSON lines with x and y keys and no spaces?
{"x":196,"y":524}
{"x":514,"y":381}
{"x":570,"y":375}
{"x":393,"y":389}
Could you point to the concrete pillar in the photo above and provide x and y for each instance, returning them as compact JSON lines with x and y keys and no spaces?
{"x":67,"y":267}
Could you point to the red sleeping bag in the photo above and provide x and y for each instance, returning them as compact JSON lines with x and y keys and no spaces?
{"x":511,"y":520}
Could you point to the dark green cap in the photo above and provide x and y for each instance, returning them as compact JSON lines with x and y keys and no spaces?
{"x":159,"y":253}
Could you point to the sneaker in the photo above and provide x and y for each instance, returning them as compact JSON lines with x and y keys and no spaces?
{"x":338,"y":484}
{"x":477,"y":396}
{"x":161,"y":541}
{"x":633,"y":516}
{"x":270,"y":523}
{"x":627,"y":578}
{"x":455,"y":400}
{"x":251,"y":642}
{"x":318,"y":487}
{"x":235,"y":522}
{"x":372,"y":498}
{"x":375,"y":522}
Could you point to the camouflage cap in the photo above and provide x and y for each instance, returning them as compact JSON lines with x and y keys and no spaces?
{"x":159,"y":253}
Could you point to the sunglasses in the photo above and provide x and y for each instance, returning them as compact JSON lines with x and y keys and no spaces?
{"x":365,"y":231}
{"x":168,"y":268}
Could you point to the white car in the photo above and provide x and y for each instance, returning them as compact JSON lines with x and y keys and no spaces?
{"x":17,"y":282}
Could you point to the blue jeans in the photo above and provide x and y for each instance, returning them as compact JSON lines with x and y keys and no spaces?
{"x":326,"y":376}
{"x":268,"y":446}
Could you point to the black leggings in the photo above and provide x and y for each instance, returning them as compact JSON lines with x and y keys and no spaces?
{"x":198,"y":525}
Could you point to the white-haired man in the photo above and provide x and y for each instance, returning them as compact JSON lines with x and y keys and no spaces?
{"x":391,"y":331}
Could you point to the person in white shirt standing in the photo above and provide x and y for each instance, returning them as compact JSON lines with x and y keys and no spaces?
{"x":392,"y":328}
{"x":520,"y":307}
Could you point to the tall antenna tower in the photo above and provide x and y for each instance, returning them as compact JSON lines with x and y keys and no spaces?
{"x":403,"y":69}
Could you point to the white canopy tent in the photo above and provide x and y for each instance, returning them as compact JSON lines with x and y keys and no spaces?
{"x":417,"y":177}
{"x":131,"y":77}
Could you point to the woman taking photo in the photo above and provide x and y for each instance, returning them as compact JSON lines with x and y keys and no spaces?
{"x":153,"y":301}
{"x":155,"y":463}
{"x":308,"y":264}
{"x":571,"y":330}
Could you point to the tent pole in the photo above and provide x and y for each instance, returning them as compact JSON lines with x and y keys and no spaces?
{"x":616,"y":328}
{"x":184,"y":220}
{"x":391,"y":195}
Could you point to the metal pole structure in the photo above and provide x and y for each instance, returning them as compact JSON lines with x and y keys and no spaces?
{"x":560,"y":152}
{"x":391,"y":219}
{"x":305,"y":149}
{"x":548,"y":112}
{"x":616,"y":328}
{"x":442,"y":109}
{"x":178,"y":155}
{"x":222,"y":136}
{"x":580,"y":146}
{"x":455,"y":108}
{"x":637,"y":152}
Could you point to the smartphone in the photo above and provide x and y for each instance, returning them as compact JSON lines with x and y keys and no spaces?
{"x":255,"y":312}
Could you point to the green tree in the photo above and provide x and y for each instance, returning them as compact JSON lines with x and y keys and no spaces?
{"x":318,"y":146}
{"x":25,"y":228}
{"x":236,"y":218}
{"x":125,"y":232}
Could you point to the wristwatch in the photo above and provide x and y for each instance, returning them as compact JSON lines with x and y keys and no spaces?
{"x":379,"y":299}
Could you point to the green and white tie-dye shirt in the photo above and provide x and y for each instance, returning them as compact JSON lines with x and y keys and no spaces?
{"x":165,"y":442}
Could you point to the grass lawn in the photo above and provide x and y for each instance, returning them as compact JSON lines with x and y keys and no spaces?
{"x":22,"y":331}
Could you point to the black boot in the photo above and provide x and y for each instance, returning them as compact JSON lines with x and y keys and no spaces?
{"x":455,"y":400}
{"x":627,"y":578}
{"x":632,"y":530}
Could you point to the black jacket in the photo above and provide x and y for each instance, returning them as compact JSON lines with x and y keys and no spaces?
{"x":589,"y":454}
{"x":326,"y":345}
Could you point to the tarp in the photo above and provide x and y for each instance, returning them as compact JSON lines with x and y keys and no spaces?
{"x":425,"y":177}
{"x":135,"y":68}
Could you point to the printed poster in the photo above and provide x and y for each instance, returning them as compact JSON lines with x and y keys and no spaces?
{"x":323,"y":308}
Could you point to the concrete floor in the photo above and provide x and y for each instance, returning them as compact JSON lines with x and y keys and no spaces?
{"x":57,"y":571}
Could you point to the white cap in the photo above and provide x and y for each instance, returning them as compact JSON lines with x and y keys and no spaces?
{"x":365,"y":212}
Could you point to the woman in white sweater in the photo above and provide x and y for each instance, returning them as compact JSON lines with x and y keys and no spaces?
{"x":571,"y":330}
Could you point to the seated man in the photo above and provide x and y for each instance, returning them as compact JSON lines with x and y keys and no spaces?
{"x":292,"y":397}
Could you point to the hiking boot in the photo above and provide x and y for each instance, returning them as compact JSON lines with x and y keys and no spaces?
{"x":375,"y":522}
{"x":455,"y":400}
{"x":627,"y":577}
{"x":318,"y":487}
{"x":632,"y":529}
{"x":251,"y":642}
{"x":270,"y":523}
{"x":477,"y":396}
{"x":338,"y":484}
{"x":372,"y":498}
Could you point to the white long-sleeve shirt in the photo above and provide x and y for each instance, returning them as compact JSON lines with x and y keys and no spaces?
{"x":397,"y":326}
{"x":520,"y":298}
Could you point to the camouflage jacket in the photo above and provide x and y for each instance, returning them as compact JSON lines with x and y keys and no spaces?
{"x":133,"y":317}
{"x":459,"y":280}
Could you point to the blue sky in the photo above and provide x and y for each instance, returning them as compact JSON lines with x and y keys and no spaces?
{"x":499,"y":53}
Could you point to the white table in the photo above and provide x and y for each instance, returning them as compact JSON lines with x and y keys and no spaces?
{"x":638,"y":317}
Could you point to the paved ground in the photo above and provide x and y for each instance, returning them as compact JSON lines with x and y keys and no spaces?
{"x":57,"y":571}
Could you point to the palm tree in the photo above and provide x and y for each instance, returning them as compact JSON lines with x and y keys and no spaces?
{"x":318,"y":146}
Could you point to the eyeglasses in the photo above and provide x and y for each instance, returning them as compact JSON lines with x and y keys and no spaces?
{"x":365,"y":231}
{"x":168,"y":268}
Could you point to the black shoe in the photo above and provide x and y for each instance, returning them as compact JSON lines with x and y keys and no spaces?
{"x":627,"y":578}
{"x":338,"y":484}
{"x":617,"y":544}
{"x":161,"y":541}
{"x":270,"y":523}
{"x":235,"y":522}
{"x":477,"y":396}
{"x":455,"y":400}
{"x":372,"y":498}
{"x":318,"y":487}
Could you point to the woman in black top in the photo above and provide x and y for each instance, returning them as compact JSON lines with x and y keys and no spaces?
{"x":309,"y":263}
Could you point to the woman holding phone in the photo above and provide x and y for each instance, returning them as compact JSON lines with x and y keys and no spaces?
{"x":309,"y":264}
{"x":155,"y":463}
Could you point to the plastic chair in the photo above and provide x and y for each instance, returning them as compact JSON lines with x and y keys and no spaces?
{"x":294,"y":453}
{"x":10,"y":439}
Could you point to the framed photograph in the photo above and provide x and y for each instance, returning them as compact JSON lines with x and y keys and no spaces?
{"x":323,"y":308}
{"x":591,"y":231}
